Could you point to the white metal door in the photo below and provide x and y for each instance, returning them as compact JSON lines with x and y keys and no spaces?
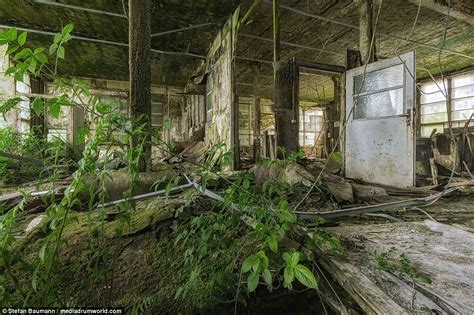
{"x":379,"y":138}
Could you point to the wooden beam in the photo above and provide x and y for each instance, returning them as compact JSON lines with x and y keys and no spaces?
{"x":140,"y":76}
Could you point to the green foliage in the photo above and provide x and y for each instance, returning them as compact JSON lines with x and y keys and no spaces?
{"x":54,"y":152}
{"x":385,"y":262}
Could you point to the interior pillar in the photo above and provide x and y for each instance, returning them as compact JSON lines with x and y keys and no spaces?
{"x":37,"y":122}
{"x":140,"y":75}
{"x":257,"y":117}
{"x":286,"y":107}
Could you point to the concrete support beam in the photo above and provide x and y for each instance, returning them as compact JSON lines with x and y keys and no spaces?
{"x":366,"y":26}
{"x":140,"y":75}
{"x":37,"y":122}
{"x":287,"y":107}
{"x":76,"y":123}
{"x":257,"y":116}
{"x":285,"y":93}
{"x":457,"y":10}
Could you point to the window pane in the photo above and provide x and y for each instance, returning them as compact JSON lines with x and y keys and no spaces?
{"x":462,"y":114}
{"x":433,"y":108}
{"x":380,"y":79}
{"x":388,"y":103}
{"x":463,"y":80}
{"x":465,"y":91}
{"x":466,"y":103}
{"x":434,"y":118}
{"x":432,"y":97}
{"x":432,"y":87}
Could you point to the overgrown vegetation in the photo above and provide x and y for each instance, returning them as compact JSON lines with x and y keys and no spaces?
{"x":50,"y":153}
{"x":229,"y":249}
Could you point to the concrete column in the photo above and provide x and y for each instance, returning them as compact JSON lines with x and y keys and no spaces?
{"x":140,"y":74}
{"x":287,"y":107}
{"x":257,"y":117}
{"x":76,"y":123}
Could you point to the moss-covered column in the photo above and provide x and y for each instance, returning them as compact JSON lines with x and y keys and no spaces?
{"x":140,"y":75}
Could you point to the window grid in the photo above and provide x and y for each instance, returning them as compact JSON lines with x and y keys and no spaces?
{"x":434,"y":106}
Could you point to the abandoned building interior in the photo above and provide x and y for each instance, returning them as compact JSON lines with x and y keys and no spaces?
{"x":245,"y":157}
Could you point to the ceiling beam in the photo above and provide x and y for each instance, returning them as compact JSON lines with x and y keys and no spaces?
{"x":270,"y":40}
{"x":442,"y":7}
{"x":322,"y":18}
{"x":106,"y":42}
{"x":182,"y":29}
{"x":75,"y":7}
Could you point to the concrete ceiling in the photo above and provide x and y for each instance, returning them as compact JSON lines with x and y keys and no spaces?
{"x":110,"y":61}
{"x":396,"y":19}
{"x":328,"y":39}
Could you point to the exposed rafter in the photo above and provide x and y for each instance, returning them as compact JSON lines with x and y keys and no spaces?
{"x":182,"y":29}
{"x":75,"y":7}
{"x":106,"y":42}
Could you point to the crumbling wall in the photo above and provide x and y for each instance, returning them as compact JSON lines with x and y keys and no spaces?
{"x":220,"y":89}
{"x":193,"y":115}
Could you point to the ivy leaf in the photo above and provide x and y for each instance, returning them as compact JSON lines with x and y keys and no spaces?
{"x":41,"y":58}
{"x":250,"y":262}
{"x":263,"y":260}
{"x":61,"y":52}
{"x":53,"y":48}
{"x":57,"y":38}
{"x":272,"y":243}
{"x":12,"y":47}
{"x":305,"y":276}
{"x":288,"y":277}
{"x":252,"y":282}
{"x":294,"y":259}
{"x":267,"y":277}
{"x":38,"y":106}
{"x":55,"y":110}
{"x":22,"y":54}
{"x":67,"y":29}
{"x":22,"y":38}
{"x":11,"y":34}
